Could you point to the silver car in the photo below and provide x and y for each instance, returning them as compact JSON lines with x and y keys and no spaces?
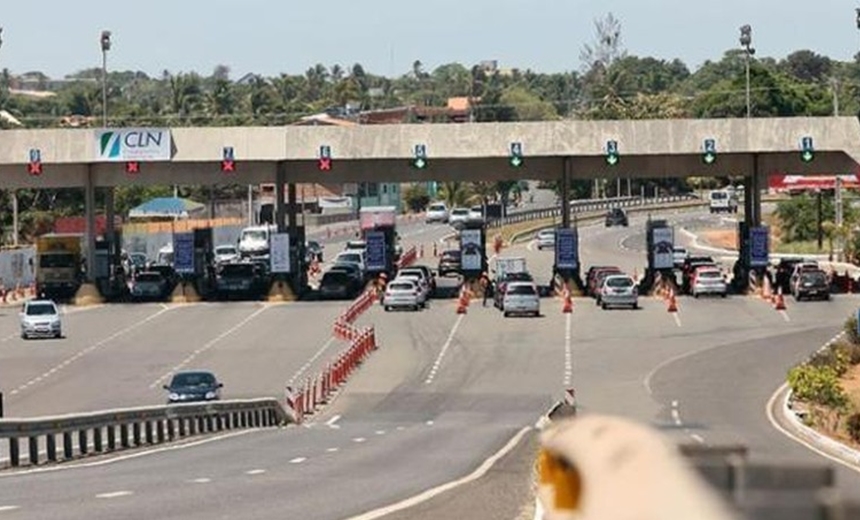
{"x":403,"y":293}
{"x":619,"y":290}
{"x":521,"y":298}
{"x":708,"y":280}
{"x":41,"y":318}
{"x":546,"y":239}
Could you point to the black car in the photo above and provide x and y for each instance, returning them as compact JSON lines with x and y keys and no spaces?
{"x":691,"y":263}
{"x":193,"y":386}
{"x":338,"y":285}
{"x":352,"y":269}
{"x":238,"y":279}
{"x":449,"y":262}
{"x":616,"y":217}
{"x":811,"y":284}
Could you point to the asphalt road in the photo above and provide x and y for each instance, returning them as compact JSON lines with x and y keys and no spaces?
{"x":443,"y":393}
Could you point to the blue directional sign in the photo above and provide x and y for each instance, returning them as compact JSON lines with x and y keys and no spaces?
{"x":566,"y":249}
{"x":183,"y":253}
{"x":229,"y":154}
{"x":759,"y":246}
{"x":374,"y":256}
{"x":35,"y":155}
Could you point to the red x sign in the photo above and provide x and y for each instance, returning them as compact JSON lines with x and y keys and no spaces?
{"x":34,"y":168}
{"x":228,"y":166}
{"x":324,"y":164}
{"x":132,"y":167}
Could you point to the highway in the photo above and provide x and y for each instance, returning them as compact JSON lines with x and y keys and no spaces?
{"x":442,"y":395}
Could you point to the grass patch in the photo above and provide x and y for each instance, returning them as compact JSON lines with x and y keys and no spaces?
{"x":800,"y":248}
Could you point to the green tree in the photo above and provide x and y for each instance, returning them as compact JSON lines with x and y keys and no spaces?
{"x":416,"y":197}
{"x":454,"y":193}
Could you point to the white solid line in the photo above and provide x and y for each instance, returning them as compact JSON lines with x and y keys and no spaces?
{"x":311,"y":361}
{"x":211,"y":343}
{"x":115,"y":494}
{"x":331,"y":422}
{"x":677,"y":318}
{"x":568,"y":352}
{"x":479,"y":472}
{"x":438,"y":362}
{"x":697,"y":438}
{"x":255,"y":472}
{"x":298,"y":460}
{"x":201,"y":480}
{"x":9,"y":508}
{"x":790,"y":435}
{"x":359,"y":439}
{"x":785,"y":316}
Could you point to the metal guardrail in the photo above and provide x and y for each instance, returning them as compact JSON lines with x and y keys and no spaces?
{"x":588,"y":205}
{"x":113,"y":430}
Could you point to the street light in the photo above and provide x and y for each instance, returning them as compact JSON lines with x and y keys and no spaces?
{"x":749,"y":52}
{"x":1,"y":36}
{"x":105,"y":41}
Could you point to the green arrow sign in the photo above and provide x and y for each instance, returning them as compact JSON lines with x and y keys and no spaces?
{"x":612,"y":160}
{"x":516,"y":161}
{"x":807,"y":156}
{"x":709,"y":158}
{"x":419,"y":163}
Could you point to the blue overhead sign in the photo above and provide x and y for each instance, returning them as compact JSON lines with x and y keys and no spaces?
{"x":759,"y":246}
{"x":374,"y":257}
{"x":183,"y":253}
{"x":566,"y":249}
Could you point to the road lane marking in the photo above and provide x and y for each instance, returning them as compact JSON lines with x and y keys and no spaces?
{"x":697,"y":438}
{"x":445,"y":347}
{"x":401,"y":428}
{"x":380,"y":432}
{"x":115,"y":494}
{"x":255,"y":472}
{"x":8,"y":508}
{"x":211,"y":343}
{"x":677,"y":319}
{"x":332,"y":450}
{"x":676,"y":415}
{"x":202,"y":480}
{"x":332,"y":423}
{"x":785,"y":316}
{"x":479,"y":472}
{"x":10,"y":337}
{"x":89,"y":349}
{"x":568,"y":353}
{"x":359,"y":440}
{"x":429,"y":423}
{"x":298,"y":460}
{"x":311,"y":361}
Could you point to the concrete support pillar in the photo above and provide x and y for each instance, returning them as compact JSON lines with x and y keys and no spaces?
{"x":749,"y":199}
{"x":564,"y":192}
{"x":759,"y":183}
{"x":90,"y":212}
{"x":292,"y":214}
{"x":280,"y":207}
{"x":110,"y":212}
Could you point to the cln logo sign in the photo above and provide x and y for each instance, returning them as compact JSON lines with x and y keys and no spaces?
{"x":133,"y":144}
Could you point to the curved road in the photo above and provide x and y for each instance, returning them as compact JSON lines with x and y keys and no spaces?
{"x":443,"y":393}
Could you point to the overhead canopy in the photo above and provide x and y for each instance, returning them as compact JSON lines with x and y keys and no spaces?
{"x":166,"y":207}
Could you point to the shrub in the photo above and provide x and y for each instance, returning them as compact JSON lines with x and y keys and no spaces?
{"x":851,"y":351}
{"x":851,"y":330}
{"x":853,"y":426}
{"x":818,"y":385}
{"x":835,"y":357}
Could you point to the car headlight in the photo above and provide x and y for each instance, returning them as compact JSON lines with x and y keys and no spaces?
{"x":55,"y":323}
{"x":173,"y":396}
{"x":210,"y":395}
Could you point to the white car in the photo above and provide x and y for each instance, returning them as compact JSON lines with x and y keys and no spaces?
{"x":458,"y":216}
{"x":355,"y":245}
{"x":546,"y":239}
{"x":521,"y":298}
{"x":619,"y":290}
{"x":403,"y":293}
{"x":709,"y":280}
{"x":351,"y":257}
{"x":437,"y":212}
{"x":679,"y":254}
{"x":40,"y":318}
{"x":476,"y":213}
{"x":226,"y":253}
{"x":418,"y":277}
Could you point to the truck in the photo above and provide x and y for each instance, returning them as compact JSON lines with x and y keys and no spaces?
{"x":59,"y":263}
{"x":254,"y":241}
{"x":505,"y":266}
{"x":723,"y":201}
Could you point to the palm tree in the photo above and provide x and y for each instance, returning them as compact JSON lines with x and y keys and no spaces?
{"x":454,"y":193}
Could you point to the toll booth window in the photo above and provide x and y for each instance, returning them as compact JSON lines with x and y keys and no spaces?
{"x":385,"y":188}
{"x":372,"y":189}
{"x":61,"y":260}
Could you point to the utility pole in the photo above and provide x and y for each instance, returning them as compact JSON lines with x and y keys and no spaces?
{"x":839,"y":217}
{"x":834,"y":89}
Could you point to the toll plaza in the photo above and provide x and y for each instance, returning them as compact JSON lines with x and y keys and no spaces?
{"x":98,"y":160}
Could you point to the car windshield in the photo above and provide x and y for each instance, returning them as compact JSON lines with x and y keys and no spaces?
{"x":816,"y":277}
{"x":547,"y":233}
{"x":710,"y":274}
{"x":192,"y":379}
{"x":619,"y":282}
{"x":225,"y":250}
{"x":255,"y":235}
{"x":354,"y":258}
{"x":460,"y":212}
{"x":401,"y":286}
{"x":719,"y":195}
{"x":437,"y":207}
{"x":518,"y":277}
{"x":237,"y":270}
{"x":149,"y":277}
{"x":335,"y":277}
{"x":344,"y":266}
{"x":452,"y":255}
{"x":41,"y":309}
{"x":137,"y":259}
{"x":680,"y":251}
{"x":411,"y":273}
{"x":521,"y":289}
{"x":57,"y":260}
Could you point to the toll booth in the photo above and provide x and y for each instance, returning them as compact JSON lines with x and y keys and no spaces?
{"x":204,"y":262}
{"x":660,"y":239}
{"x":110,"y":276}
{"x":379,"y":231}
{"x":567,"y":264}
{"x":473,"y":250}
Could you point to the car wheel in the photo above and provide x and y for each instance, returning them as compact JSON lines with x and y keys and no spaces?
{"x":387,"y":308}
{"x":696,"y":295}
{"x":506,"y":314}
{"x":604,"y":306}
{"x":635,"y":306}
{"x":58,"y":335}
{"x":723,"y":295}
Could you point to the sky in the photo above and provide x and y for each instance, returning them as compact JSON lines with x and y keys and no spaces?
{"x":270,"y":37}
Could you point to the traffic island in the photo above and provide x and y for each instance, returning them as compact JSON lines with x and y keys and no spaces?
{"x":185,"y":293}
{"x":88,"y":294}
{"x":281,"y":292}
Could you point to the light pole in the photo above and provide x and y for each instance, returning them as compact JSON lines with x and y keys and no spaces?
{"x":105,"y":41}
{"x":749,"y":52}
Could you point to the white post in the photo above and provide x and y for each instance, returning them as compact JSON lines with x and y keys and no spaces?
{"x":839,"y":217}
{"x":250,"y":205}
{"x":15,"y":231}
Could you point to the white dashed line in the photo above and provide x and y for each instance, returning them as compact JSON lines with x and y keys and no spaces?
{"x":676,"y":415}
{"x":115,"y":494}
{"x":438,"y":362}
{"x":401,"y":428}
{"x":785,"y":316}
{"x":311,"y":361}
{"x":697,"y":438}
{"x":8,"y":508}
{"x":359,"y":439}
{"x":200,"y":480}
{"x":255,"y":472}
{"x":332,"y":450}
{"x":429,"y":423}
{"x":677,"y":319}
{"x":298,"y":460}
{"x":568,"y":352}
{"x":208,"y":346}
{"x":380,"y":432}
{"x":89,"y":349}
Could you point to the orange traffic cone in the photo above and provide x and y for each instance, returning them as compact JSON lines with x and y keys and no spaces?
{"x":568,"y":302}
{"x":673,"y":303}
{"x":463,"y":302}
{"x":780,"y":300}
{"x":766,"y":292}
